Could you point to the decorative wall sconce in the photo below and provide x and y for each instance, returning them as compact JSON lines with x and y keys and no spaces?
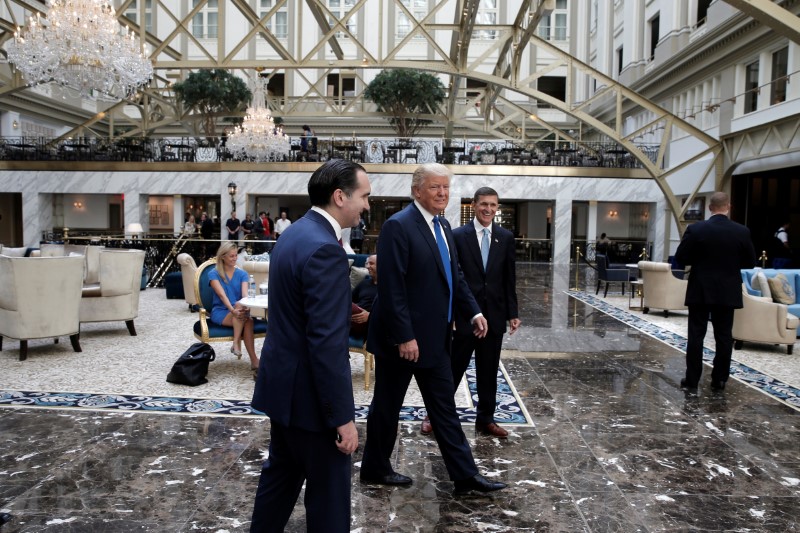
{"x":613,"y":213}
{"x":646,"y":215}
{"x":77,"y":205}
{"x":232,"y":188}
{"x":15,"y":124}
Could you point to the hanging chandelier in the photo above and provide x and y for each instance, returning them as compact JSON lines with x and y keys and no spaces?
{"x":259,"y":139}
{"x":81,"y":47}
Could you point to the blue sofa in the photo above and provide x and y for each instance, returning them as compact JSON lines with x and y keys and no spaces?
{"x":793,"y":275}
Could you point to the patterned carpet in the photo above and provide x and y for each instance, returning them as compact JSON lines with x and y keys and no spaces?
{"x":758,"y":378}
{"x":117,"y":372}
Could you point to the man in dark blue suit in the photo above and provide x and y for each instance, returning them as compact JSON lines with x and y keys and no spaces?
{"x":304,"y":383}
{"x":410,"y":331}
{"x":716,"y":249}
{"x":486,"y":254}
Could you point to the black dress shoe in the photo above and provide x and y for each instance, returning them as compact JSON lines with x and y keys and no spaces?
{"x":477,"y":483}
{"x":686,"y":385}
{"x":717,"y":385}
{"x":389,"y":479}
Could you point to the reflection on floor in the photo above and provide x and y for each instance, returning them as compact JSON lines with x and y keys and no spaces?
{"x":616,"y":445}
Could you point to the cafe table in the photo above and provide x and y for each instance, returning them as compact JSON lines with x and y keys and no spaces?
{"x":258,"y":303}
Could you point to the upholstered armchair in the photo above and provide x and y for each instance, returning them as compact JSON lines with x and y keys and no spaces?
{"x":610,"y":275}
{"x":40,"y":298}
{"x":188,"y":272}
{"x":259,"y":270}
{"x":116,"y":294}
{"x":204,"y":329}
{"x":762,"y":320}
{"x":662,"y":290}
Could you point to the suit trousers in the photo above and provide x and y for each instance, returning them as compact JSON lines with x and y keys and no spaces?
{"x":392,"y":378}
{"x":722,"y":320}
{"x":295,"y":456}
{"x":487,"y":361}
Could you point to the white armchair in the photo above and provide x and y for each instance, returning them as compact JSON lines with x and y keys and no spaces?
{"x":40,"y":298}
{"x":762,"y":320}
{"x":188,"y":271}
{"x":258,"y":269}
{"x":662,"y":290}
{"x":116,"y":295}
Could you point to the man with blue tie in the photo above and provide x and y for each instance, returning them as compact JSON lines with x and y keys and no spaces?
{"x":304,"y":383}
{"x":410,"y":332}
{"x":486,"y":254}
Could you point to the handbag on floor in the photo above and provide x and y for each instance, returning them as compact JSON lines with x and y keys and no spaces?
{"x":192,"y":366}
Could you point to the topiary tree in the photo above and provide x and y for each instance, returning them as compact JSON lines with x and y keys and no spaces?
{"x":213,"y":93}
{"x":406,"y":96}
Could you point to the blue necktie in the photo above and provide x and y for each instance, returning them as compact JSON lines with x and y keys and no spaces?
{"x":446,"y":262}
{"x":485,"y":247}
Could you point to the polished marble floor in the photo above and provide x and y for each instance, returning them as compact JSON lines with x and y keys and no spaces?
{"x":615,"y":445}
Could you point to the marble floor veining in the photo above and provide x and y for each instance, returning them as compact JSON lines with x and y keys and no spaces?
{"x":615,"y":445}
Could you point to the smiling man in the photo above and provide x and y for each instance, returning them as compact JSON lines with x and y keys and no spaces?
{"x":486,"y":255}
{"x":410,"y":331}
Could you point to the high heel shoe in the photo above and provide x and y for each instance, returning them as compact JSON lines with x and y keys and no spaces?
{"x":237,"y":353}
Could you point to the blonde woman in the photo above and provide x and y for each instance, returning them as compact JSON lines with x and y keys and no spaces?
{"x":230,"y":284}
{"x":190,"y":227}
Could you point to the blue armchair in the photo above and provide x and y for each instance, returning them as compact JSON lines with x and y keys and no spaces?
{"x":610,"y":275}
{"x":204,"y":329}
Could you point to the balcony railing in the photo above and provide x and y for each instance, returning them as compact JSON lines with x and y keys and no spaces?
{"x":463,"y":151}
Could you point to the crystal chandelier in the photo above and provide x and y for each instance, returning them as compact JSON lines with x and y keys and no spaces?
{"x":259,"y":139}
{"x":81,"y":46}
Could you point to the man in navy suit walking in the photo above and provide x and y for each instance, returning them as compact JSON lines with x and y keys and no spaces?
{"x":486,"y":254}
{"x":716,"y":249}
{"x":410,"y":331}
{"x":304,"y":383}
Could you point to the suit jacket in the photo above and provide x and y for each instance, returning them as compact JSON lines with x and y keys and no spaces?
{"x":413,"y":295}
{"x":495,"y":289}
{"x":304,"y":377}
{"x":717,"y":249}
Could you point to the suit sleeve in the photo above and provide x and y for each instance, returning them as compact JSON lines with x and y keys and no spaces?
{"x":510,"y":282}
{"x":326,"y":286}
{"x":684,"y":254}
{"x":393,"y":256}
{"x":463,"y":297}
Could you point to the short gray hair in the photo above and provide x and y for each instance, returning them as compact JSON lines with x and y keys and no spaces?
{"x":426,"y":170}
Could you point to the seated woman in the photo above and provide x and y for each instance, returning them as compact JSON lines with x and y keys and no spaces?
{"x":229,"y":284}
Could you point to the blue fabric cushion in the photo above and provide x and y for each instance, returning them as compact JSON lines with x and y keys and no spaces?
{"x":216,"y":331}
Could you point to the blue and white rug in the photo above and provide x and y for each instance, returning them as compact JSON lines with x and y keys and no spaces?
{"x":758,"y":380}
{"x":509,"y":410}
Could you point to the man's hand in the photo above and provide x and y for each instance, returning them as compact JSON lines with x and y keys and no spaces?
{"x":480,"y":327}
{"x":513,"y":325}
{"x":349,"y":438}
{"x":409,"y":350}
{"x":361,"y":317}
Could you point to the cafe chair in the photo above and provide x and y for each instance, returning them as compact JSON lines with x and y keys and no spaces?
{"x":115,"y":296}
{"x":40,"y":298}
{"x":411,"y":154}
{"x":764,"y":321}
{"x":610,"y":275}
{"x":359,"y":346}
{"x":204,"y":329}
{"x":188,"y":271}
{"x":258,"y":269}
{"x":662,"y":290}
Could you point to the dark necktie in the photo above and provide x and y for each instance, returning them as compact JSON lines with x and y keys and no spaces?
{"x":445,"y":261}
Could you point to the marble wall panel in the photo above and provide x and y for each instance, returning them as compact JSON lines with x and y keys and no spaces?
{"x":137,"y":186}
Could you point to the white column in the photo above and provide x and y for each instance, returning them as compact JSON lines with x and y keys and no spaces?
{"x":562,"y":229}
{"x":591,"y":222}
{"x":177,"y":213}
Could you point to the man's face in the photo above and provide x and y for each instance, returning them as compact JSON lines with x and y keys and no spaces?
{"x":283,"y":215}
{"x":485,"y":209}
{"x":433,"y":193}
{"x":357,"y":202}
{"x":372,"y":266}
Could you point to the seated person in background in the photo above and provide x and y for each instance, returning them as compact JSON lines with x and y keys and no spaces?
{"x":363,"y":296}
{"x":602,"y":244}
{"x":189,"y":227}
{"x":229,"y":284}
